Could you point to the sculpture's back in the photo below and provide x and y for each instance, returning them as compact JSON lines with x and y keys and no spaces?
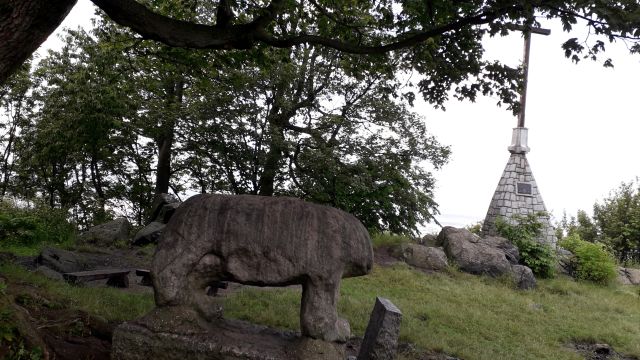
{"x":257,"y":240}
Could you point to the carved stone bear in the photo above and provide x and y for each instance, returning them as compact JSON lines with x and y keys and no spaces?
{"x":263,"y":241}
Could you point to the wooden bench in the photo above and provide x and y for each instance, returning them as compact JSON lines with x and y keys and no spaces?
{"x":215,"y":286}
{"x":212,"y":290}
{"x":146,"y":277}
{"x":117,"y":277}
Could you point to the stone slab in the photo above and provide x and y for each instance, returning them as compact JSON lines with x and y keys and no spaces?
{"x":381,"y":337}
{"x":177,"y":333}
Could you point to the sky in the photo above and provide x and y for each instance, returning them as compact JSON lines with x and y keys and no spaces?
{"x":582,"y":119}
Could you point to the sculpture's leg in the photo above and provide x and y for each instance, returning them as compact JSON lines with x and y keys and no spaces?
{"x":206,"y":271}
{"x":319,"y":314}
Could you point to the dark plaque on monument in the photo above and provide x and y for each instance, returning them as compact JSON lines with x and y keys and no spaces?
{"x":523,"y":188}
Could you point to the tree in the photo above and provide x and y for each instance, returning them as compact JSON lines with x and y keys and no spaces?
{"x":315,"y":124}
{"x":16,"y":105}
{"x":439,"y":39}
{"x":618,"y":221}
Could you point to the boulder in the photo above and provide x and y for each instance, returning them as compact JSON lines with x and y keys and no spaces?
{"x":523,"y":277}
{"x":158,"y":210}
{"x":509,"y":250}
{"x":430,"y":240}
{"x":176,"y":333}
{"x":48,"y":272}
{"x":166,"y":212}
{"x":430,"y":258}
{"x":473,"y":254}
{"x":628,"y":276}
{"x":565,"y":261}
{"x":107,"y":234}
{"x":149,"y":234}
{"x":62,"y":261}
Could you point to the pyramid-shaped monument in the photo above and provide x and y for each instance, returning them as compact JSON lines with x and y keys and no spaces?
{"x":517,"y":192}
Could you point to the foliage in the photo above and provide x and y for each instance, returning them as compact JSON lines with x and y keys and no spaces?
{"x":618,"y":221}
{"x":386,"y":238}
{"x":592,"y":261}
{"x":475,"y":228}
{"x":33,"y":225}
{"x":11,"y":339}
{"x":109,"y":303}
{"x":537,"y":256}
{"x":581,"y":225}
{"x":470,"y":317}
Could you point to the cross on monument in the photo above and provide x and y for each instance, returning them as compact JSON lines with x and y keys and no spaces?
{"x":517,"y":193}
{"x":519,"y":139}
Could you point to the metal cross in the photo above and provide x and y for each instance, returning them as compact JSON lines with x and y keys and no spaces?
{"x":525,"y":64}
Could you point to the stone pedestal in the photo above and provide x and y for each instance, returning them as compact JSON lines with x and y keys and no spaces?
{"x":517,"y":192}
{"x":519,"y":140}
{"x":179,"y":334}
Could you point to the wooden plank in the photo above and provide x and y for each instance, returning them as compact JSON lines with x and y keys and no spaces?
{"x":117,"y":277}
{"x":146,"y":277}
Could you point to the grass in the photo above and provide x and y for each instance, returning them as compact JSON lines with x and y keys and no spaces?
{"x":388,"y":239}
{"x":463,"y":315}
{"x":471,"y":317}
{"x":109,"y":303}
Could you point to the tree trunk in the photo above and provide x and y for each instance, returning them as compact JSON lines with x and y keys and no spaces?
{"x":165,"y":141}
{"x":24,"y":25}
{"x":163,"y":173}
{"x":267,"y":178}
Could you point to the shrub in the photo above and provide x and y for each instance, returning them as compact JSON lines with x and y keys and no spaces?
{"x":592,"y":261}
{"x":537,"y":256}
{"x":571,"y":242}
{"x":22,"y":226}
{"x":388,"y":239}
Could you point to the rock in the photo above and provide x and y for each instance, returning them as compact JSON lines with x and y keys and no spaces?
{"x":166,"y":212}
{"x":107,"y":234}
{"x":523,"y":276}
{"x":628,"y":276}
{"x":62,"y":261}
{"x":510,"y":250}
{"x":149,"y":234}
{"x":381,"y":337}
{"x":472,"y":254}
{"x":565,"y":262}
{"x":264,"y":241}
{"x":159,"y":202}
{"x":177,"y":333}
{"x":430,"y":240}
{"x":48,"y":272}
{"x":429,"y":258}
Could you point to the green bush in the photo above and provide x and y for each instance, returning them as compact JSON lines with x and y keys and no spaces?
{"x":537,"y":256}
{"x":30,"y":226}
{"x":388,"y":239}
{"x":592,"y":261}
{"x":571,"y":242}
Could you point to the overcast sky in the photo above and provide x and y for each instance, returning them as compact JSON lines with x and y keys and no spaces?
{"x":582,"y":119}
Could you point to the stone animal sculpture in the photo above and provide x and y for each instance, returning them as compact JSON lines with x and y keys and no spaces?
{"x":263,"y":241}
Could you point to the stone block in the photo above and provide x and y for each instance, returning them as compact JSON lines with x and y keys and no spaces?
{"x":381,"y":337}
{"x":178,"y":333}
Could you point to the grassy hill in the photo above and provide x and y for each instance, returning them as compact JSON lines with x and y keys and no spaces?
{"x":462,"y":315}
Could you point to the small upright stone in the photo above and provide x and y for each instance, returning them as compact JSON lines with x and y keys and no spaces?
{"x":381,"y":338}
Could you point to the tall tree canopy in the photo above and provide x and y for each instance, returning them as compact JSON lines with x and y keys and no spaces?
{"x":306,"y":121}
{"x":440,"y":39}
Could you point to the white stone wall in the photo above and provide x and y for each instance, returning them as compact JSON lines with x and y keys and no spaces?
{"x":506,"y":202}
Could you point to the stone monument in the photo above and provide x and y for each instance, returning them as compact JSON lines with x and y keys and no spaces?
{"x":517,"y":192}
{"x":253,"y":240}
